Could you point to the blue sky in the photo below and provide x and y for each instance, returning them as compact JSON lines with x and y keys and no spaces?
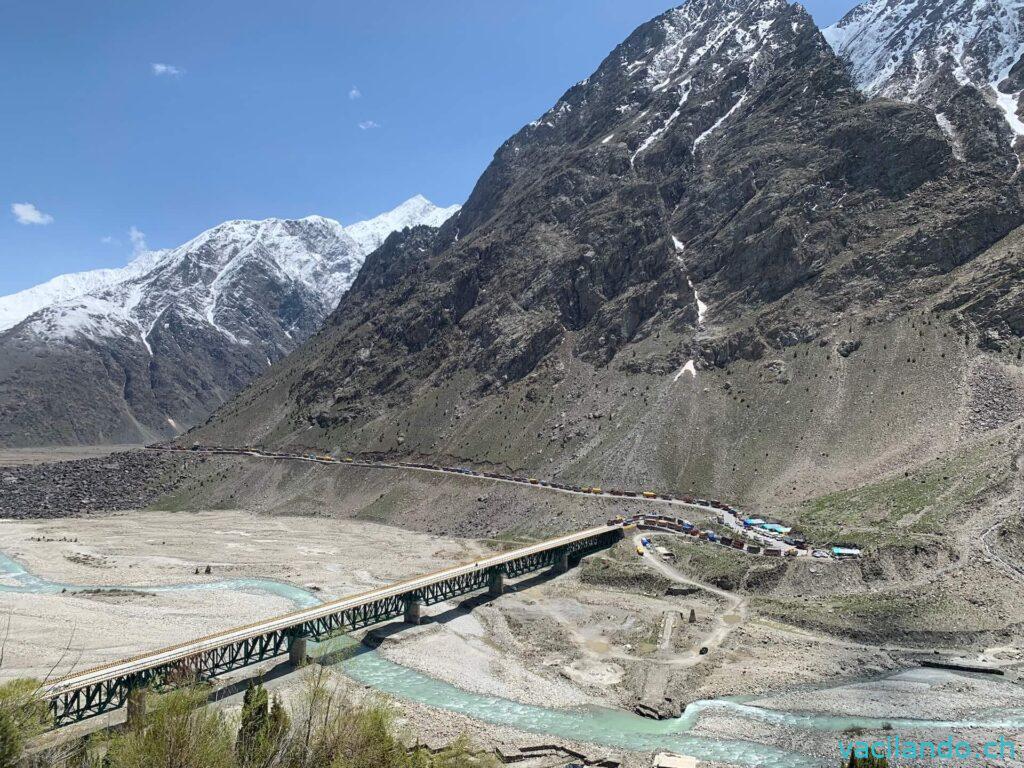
{"x":143,"y":122}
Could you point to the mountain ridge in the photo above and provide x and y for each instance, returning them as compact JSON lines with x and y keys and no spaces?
{"x":714,"y":265}
{"x":365,"y":236}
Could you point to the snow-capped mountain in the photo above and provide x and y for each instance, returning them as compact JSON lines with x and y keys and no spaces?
{"x":719,"y":159}
{"x":313,"y":257}
{"x":416,"y":210}
{"x":177,"y":331}
{"x":692,"y":69}
{"x":319,"y":253}
{"x":924,"y":50}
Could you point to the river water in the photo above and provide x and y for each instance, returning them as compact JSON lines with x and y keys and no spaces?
{"x":607,"y":727}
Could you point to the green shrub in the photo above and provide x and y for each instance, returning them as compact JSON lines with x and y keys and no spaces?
{"x":179,"y":732}
{"x":22,"y":716}
{"x":264,"y":726}
{"x":323,"y":730}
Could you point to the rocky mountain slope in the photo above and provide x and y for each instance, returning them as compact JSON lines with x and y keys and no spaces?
{"x":716,"y":264}
{"x":145,"y":351}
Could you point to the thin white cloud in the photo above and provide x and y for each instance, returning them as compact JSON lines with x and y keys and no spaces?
{"x":27,"y":213}
{"x":355,"y":93}
{"x":108,"y":240}
{"x":138,"y":238}
{"x":167,"y":70}
{"x":367,"y":125}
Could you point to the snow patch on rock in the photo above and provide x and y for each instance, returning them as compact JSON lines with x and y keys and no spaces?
{"x":1008,"y":103}
{"x":689,"y":368}
{"x":702,"y":308}
{"x":718,"y":123}
{"x":684,"y":94}
{"x":950,"y":130}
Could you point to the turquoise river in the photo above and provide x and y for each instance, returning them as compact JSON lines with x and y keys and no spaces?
{"x":608,"y":727}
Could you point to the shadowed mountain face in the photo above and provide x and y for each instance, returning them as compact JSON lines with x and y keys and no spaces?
{"x":644,"y":279}
{"x":142,"y":352}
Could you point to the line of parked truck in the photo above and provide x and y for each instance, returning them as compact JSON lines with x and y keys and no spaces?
{"x":756,"y":542}
{"x":590,"y":489}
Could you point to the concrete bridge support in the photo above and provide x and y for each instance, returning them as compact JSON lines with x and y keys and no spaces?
{"x":496,"y":587}
{"x":297,"y":652}
{"x":137,"y":708}
{"x":413,"y":611}
{"x":562,"y":563}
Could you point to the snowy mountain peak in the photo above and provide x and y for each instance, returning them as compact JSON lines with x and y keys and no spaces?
{"x":153,"y":347}
{"x":415,"y":211}
{"x":317,"y":253}
{"x":704,"y":29}
{"x":915,"y":50}
{"x":896,"y":47}
{"x":678,"y":84}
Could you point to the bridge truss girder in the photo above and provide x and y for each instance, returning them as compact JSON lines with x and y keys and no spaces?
{"x":97,"y":698}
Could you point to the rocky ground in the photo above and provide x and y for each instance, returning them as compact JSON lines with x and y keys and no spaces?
{"x":12,"y":457}
{"x":614,"y":632}
{"x":121,"y":480}
{"x":593,"y":637}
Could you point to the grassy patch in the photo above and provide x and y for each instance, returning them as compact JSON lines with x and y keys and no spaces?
{"x":386,"y":506}
{"x":621,"y":569}
{"x":725,"y":568}
{"x":918,"y":502}
{"x":926,"y":617}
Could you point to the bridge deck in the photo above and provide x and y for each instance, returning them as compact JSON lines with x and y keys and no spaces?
{"x":163,"y":657}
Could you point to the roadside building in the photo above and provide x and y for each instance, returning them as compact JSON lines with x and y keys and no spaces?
{"x":845,"y":552}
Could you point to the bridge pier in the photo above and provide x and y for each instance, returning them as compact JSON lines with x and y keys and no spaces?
{"x":562,"y":563}
{"x":413,"y":611}
{"x":297,"y":651}
{"x":136,"y":708}
{"x":496,"y":586}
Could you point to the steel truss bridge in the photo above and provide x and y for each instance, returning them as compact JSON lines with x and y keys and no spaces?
{"x":106,"y":688}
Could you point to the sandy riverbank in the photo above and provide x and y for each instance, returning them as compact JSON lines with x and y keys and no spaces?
{"x":148,"y":549}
